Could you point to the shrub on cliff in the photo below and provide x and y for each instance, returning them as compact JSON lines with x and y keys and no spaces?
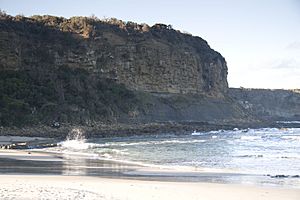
{"x":65,"y":95}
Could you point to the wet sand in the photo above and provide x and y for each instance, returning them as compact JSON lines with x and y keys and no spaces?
{"x":35,"y":162}
{"x":18,"y":182}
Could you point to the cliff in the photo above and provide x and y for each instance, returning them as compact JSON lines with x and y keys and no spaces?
{"x":269,"y":104}
{"x":154,"y":59}
{"x":89,"y":71}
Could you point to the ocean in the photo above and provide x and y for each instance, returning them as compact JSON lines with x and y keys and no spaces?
{"x":267,"y":156}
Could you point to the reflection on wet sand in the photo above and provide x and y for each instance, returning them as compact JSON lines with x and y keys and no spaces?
{"x":94,"y":167}
{"x":62,"y":165}
{"x":69,"y":165}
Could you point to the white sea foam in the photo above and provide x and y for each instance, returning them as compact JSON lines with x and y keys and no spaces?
{"x":291,"y":137}
{"x":102,"y":151}
{"x":288,"y":122}
{"x":250,"y":137}
{"x":82,"y":144}
{"x":76,"y":141}
{"x":79,"y":144}
{"x":195,"y":133}
{"x":175,"y":141}
{"x":178,"y":141}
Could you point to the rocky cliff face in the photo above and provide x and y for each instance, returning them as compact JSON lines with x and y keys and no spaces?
{"x":87,"y":71}
{"x":269,"y":104}
{"x":154,"y":59}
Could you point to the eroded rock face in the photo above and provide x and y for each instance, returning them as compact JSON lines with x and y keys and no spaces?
{"x":85,"y":71}
{"x":153,"y":59}
{"x":269,"y":104}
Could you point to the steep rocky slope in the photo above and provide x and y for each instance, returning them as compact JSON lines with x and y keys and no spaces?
{"x":87,"y":71}
{"x":269,"y":104}
{"x":154,"y":59}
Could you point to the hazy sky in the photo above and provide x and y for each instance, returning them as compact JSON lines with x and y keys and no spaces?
{"x":260,"y":39}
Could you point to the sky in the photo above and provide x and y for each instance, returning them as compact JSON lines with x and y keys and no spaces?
{"x":260,"y":39}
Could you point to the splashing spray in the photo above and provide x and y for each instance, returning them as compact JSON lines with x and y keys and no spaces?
{"x":75,"y":140}
{"x":76,"y":134}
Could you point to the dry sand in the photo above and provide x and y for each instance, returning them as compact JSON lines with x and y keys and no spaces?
{"x":77,"y":187}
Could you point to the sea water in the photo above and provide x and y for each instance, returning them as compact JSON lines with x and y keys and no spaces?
{"x":270,"y":152}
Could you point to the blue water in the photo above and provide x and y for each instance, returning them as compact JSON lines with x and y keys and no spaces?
{"x":266,"y":152}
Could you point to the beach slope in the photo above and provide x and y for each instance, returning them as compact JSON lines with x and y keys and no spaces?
{"x":82,"y":187}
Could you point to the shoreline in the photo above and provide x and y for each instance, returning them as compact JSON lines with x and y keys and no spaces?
{"x":136,"y":169}
{"x":36,"y":174}
{"x":155,"y":185}
{"x":125,"y":129}
{"x":36,"y":162}
{"x":102,"y":130}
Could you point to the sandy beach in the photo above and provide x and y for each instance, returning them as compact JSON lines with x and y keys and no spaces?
{"x":31,"y":186}
{"x":78,"y":187}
